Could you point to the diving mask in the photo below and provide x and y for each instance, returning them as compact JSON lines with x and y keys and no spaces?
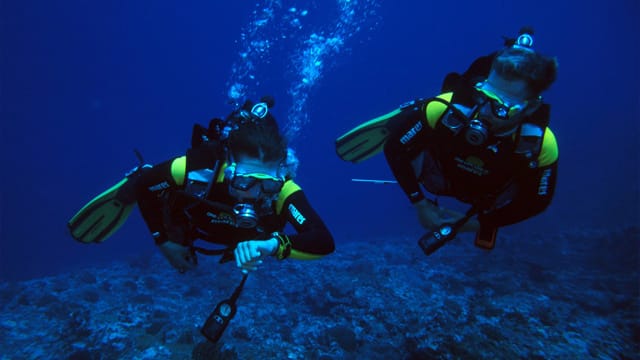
{"x":495,"y":114}
{"x":268,"y":185}
{"x":499,"y":107}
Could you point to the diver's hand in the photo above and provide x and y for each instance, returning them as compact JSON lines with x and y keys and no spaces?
{"x":249,"y":254}
{"x":451,"y":216}
{"x":179,"y":256}
{"x":432,"y":217}
{"x":428,"y":214}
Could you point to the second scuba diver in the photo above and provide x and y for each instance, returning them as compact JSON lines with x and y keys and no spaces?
{"x":234,"y":187}
{"x":483,"y":141}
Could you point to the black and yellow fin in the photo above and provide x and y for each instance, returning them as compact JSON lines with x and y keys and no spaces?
{"x":102,"y":216}
{"x":365,"y":140}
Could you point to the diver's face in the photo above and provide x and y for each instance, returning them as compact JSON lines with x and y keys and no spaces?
{"x":511,"y":90}
{"x":509,"y":101}
{"x":254,"y":179}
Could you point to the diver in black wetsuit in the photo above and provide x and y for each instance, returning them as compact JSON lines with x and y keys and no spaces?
{"x":485,"y":143}
{"x":234,"y":187}
{"x":255,"y":197}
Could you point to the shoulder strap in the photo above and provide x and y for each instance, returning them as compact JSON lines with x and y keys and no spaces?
{"x":541,"y":116}
{"x":530,"y":136}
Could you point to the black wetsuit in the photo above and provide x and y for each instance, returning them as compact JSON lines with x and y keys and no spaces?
{"x":471,"y":174}
{"x":171,"y":213}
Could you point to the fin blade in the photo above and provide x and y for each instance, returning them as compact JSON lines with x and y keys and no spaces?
{"x":359,"y":147}
{"x":365,"y":140}
{"x":101,"y":217}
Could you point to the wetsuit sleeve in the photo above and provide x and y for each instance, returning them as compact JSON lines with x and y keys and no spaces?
{"x":312,"y":239}
{"x":533,"y":192}
{"x":150,"y":186}
{"x":410,"y":131}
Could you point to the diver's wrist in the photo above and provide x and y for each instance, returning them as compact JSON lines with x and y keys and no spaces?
{"x":283,"y":249}
{"x":273,"y":245}
{"x":159,"y":238}
{"x":416,"y":197}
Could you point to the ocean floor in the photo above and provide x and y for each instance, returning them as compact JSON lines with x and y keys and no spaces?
{"x":573,"y":295}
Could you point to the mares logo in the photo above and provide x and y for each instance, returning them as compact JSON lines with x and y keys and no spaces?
{"x":163,"y":185}
{"x":296,"y":214}
{"x":543,"y":187}
{"x":411,"y":133}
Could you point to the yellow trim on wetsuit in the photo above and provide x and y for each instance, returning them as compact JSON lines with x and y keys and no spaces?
{"x":288,"y":188}
{"x":549,"y":152}
{"x":299,"y":255}
{"x":179,"y":170}
{"x":221,"y":173}
{"x":435,"y":109}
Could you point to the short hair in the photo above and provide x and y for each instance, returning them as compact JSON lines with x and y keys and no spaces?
{"x":260,"y":140}
{"x":537,"y":70}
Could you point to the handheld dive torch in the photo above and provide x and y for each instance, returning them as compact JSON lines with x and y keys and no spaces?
{"x":432,"y":241}
{"x":223,"y":313}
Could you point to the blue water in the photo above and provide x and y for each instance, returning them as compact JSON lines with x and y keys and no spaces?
{"x":84,"y":83}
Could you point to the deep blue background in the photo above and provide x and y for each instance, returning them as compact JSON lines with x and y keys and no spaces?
{"x":83,"y":83}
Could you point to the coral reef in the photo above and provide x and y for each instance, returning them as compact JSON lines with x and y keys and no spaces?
{"x":544,"y":296}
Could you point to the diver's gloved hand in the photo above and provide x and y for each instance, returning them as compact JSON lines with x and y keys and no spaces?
{"x":249,"y":254}
{"x":179,"y":256}
{"x":451,"y":216}
{"x":428,"y":214}
{"x":432,"y":217}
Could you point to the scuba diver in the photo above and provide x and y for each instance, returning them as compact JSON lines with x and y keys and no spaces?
{"x":484,"y":141}
{"x":234,"y":187}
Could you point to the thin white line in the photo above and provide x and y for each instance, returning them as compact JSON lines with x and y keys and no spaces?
{"x":373,"y":181}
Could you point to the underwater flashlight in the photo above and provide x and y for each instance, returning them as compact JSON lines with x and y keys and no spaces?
{"x":430,"y":242}
{"x":525,"y":40}
{"x":219,"y":319}
{"x":260,"y":110}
